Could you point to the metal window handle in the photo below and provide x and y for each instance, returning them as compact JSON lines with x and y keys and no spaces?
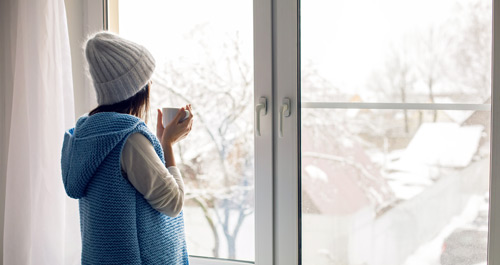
{"x":261,"y":106}
{"x":284,"y":112}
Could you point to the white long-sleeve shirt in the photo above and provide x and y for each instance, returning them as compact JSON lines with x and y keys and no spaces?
{"x":163,"y":188}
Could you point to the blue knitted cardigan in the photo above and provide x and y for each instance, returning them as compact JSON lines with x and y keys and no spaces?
{"x":118,"y":226}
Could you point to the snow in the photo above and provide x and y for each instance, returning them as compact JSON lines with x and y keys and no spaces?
{"x":404,"y":191}
{"x":197,"y":228}
{"x":414,"y":177}
{"x":316,"y":173}
{"x":436,"y":147}
{"x":347,"y":142}
{"x":430,"y":253}
{"x":442,"y":144}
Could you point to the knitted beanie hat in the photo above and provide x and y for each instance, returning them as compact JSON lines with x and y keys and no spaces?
{"x":119,"y":68}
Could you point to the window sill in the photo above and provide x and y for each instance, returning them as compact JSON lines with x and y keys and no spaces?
{"x":196,"y":260}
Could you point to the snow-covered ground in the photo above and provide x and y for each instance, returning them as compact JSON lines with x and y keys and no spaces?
{"x":430,"y":252}
{"x":200,"y":238}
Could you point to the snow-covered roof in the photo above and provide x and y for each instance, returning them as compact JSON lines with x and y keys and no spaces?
{"x":441,"y":144}
{"x":434,"y":149}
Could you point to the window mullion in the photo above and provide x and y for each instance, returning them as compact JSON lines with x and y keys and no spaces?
{"x":287,"y":145}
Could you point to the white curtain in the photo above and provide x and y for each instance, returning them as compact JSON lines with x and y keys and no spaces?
{"x":40,"y":221}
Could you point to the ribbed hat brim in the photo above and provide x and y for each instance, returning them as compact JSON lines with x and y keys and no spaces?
{"x":129,"y":83}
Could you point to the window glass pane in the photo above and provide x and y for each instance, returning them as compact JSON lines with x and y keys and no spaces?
{"x":204,"y":56}
{"x":396,"y":51}
{"x":394,"y":187}
{"x":378,"y":190}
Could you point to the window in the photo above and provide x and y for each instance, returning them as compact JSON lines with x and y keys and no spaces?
{"x":203,"y":60}
{"x":374,"y":145}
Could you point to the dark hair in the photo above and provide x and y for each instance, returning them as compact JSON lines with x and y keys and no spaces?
{"x":137,"y":105}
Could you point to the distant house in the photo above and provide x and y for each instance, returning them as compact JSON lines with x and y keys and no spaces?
{"x":338,"y":177}
{"x":435,"y":148}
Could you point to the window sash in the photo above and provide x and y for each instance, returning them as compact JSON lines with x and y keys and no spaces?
{"x":262,"y":19}
{"x":287,"y":78}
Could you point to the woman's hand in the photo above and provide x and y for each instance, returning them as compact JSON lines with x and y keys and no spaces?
{"x":175,"y":130}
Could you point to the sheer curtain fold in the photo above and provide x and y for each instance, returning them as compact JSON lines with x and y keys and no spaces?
{"x":40,"y":222}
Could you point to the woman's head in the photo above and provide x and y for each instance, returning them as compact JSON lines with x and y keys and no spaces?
{"x":137,"y":105}
{"x":120,"y":70}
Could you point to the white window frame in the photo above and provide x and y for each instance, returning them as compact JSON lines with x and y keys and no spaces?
{"x":494,"y":210}
{"x":277,"y":159}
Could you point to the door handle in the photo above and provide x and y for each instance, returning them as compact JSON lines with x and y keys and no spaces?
{"x":284,"y":112}
{"x":261,"y":106}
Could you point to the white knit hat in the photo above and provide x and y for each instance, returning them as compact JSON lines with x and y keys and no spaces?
{"x":119,"y":68}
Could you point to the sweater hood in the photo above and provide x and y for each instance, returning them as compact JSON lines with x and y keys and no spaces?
{"x":87,"y":145}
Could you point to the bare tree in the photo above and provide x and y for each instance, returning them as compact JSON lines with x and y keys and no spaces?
{"x":315,"y":87}
{"x":396,"y":79}
{"x":472,"y":47}
{"x":432,"y":48}
{"x":217,"y":161}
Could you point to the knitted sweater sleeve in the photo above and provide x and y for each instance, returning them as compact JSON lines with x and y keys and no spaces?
{"x":163,"y":188}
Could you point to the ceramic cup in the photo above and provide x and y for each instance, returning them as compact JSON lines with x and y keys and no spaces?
{"x":169,"y":115}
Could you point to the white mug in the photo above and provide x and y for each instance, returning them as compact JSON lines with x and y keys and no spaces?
{"x":169,"y":115}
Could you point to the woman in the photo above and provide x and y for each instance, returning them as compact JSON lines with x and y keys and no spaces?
{"x":129,"y":189}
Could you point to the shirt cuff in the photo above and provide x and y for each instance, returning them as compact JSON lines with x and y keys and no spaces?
{"x":173,"y":170}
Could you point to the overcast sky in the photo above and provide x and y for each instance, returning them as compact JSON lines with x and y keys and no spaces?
{"x":346,"y":39}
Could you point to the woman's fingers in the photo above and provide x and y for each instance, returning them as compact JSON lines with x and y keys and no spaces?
{"x":190,"y":117}
{"x":188,"y":107}
{"x":159,"y":124}
{"x":180,"y":114}
{"x":159,"y":121}
{"x":188,"y":122}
